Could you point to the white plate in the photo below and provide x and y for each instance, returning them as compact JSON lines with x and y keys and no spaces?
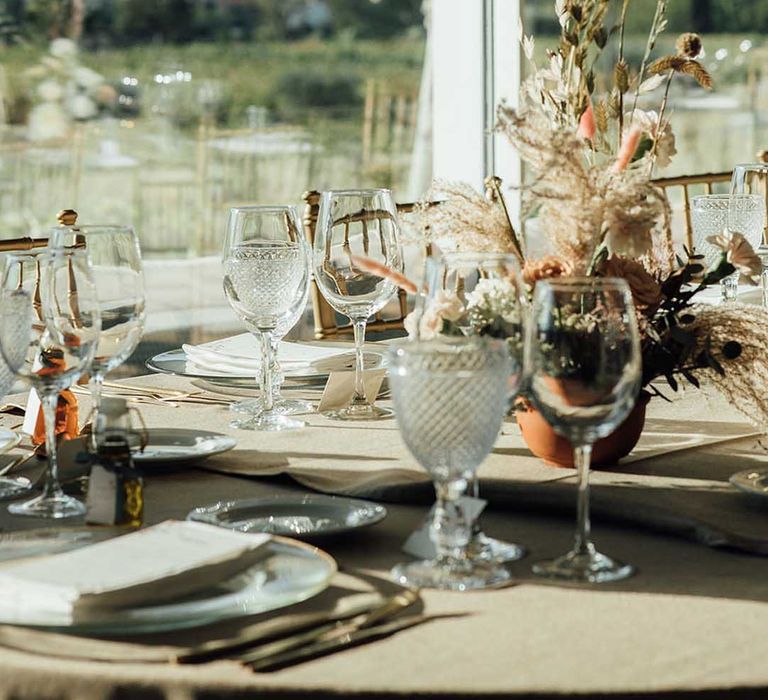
{"x":292,"y":572}
{"x":182,"y":445}
{"x":752,"y":481}
{"x":8,"y":440}
{"x":297,"y":516}
{"x":175,"y":362}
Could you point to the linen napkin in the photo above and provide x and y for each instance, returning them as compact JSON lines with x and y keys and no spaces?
{"x":158,"y":564}
{"x":241,"y":354}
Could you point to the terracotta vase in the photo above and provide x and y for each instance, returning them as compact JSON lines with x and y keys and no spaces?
{"x":557,"y":451}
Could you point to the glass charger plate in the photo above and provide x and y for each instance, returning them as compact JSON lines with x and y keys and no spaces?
{"x":52,"y":540}
{"x":752,"y":481}
{"x":175,"y":362}
{"x":298,"y":516}
{"x":292,"y":573}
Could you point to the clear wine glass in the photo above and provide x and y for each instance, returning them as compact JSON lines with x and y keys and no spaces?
{"x":487,"y":287}
{"x":282,"y":404}
{"x":119,"y":277}
{"x":266,"y":273}
{"x":583,"y":366}
{"x":63,"y":325}
{"x":752,"y":178}
{"x":15,"y":319}
{"x":362,"y":223}
{"x":450,"y":397}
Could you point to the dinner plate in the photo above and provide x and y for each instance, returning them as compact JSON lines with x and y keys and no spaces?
{"x":292,"y":572}
{"x":182,"y":445}
{"x":312,"y":514}
{"x":752,"y":481}
{"x":175,"y":362}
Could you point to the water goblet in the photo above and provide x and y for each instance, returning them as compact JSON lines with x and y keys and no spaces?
{"x":62,"y":332}
{"x":266,"y":274}
{"x":362,"y":223}
{"x":484,"y":293}
{"x":752,"y":178}
{"x":450,"y":397}
{"x":583,"y":367}
{"x":119,"y":278}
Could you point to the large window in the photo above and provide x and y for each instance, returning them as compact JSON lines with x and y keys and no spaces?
{"x":164,"y":114}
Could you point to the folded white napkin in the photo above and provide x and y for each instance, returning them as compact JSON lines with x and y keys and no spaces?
{"x":241,"y":354}
{"x":162,"y":563}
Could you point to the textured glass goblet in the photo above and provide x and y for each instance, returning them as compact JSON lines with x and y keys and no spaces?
{"x":488,"y":288}
{"x":450,"y":398}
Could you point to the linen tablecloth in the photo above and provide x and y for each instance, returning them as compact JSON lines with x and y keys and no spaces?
{"x":692,"y":619}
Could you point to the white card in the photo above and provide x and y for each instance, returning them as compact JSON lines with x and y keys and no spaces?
{"x":419,"y":544}
{"x":340,"y":388}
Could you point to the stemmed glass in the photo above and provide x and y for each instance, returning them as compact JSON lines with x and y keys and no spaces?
{"x":490,"y":302}
{"x":583,"y":365}
{"x":266,"y":274}
{"x":119,"y":278}
{"x":63,"y":325}
{"x":752,"y":178}
{"x":357,"y":223}
{"x":450,"y":397}
{"x":14,"y":317}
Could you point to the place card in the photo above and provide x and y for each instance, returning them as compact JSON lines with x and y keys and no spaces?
{"x":419,"y":544}
{"x":340,"y":388}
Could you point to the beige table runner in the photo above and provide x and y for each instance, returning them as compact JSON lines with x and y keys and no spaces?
{"x":665,"y":484}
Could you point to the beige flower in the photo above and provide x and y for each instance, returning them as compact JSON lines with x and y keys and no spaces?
{"x":739,"y":253}
{"x":545,"y":268}
{"x":630,"y":231}
{"x":646,"y":291}
{"x":649,"y":125}
{"x":444,"y":306}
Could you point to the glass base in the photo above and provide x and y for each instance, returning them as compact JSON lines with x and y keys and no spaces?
{"x":284,"y":407}
{"x":489,"y":549}
{"x":434,"y":574}
{"x":56,"y":507}
{"x":364,"y":412}
{"x":10,"y":488}
{"x":584,"y":567}
{"x":267,"y":423}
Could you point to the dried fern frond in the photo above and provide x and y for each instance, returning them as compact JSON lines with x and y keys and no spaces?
{"x":744,"y":381}
{"x":681,"y":64}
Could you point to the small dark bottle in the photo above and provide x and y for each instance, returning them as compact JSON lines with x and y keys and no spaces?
{"x":115,"y":488}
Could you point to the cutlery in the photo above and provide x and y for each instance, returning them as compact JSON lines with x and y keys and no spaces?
{"x":390,"y":607}
{"x":337,"y":643}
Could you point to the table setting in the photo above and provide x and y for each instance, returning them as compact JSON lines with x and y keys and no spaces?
{"x":554,"y":480}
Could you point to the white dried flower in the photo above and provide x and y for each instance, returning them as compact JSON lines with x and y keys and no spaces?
{"x":47,"y":121}
{"x":649,"y":123}
{"x":82,"y":107}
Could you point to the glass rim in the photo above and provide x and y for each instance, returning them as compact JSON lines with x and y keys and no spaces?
{"x":429,"y":346}
{"x":751,"y":166}
{"x":95,"y":228}
{"x":263,"y":208}
{"x":360,"y":192}
{"x":725,"y":197}
{"x":46,"y":254}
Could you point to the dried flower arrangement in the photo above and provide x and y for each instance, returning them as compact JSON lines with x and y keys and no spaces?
{"x":592,"y":158}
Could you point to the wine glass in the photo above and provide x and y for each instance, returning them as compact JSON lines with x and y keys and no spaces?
{"x":450,"y":397}
{"x":752,"y":178}
{"x":483,"y":296}
{"x":119,"y":278}
{"x":282,"y":404}
{"x":63,"y":314}
{"x":15,"y":318}
{"x":357,"y":223}
{"x":266,"y":274}
{"x":583,"y":367}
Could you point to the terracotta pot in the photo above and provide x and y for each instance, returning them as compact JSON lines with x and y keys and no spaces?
{"x":557,"y":451}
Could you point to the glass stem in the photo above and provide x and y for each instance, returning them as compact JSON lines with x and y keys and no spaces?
{"x":449,"y":530}
{"x":473,"y":488}
{"x":266,"y":372}
{"x":359,"y":398}
{"x":582,"y":455}
{"x":49,"y":402}
{"x":277,"y":374}
{"x":95,"y":384}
